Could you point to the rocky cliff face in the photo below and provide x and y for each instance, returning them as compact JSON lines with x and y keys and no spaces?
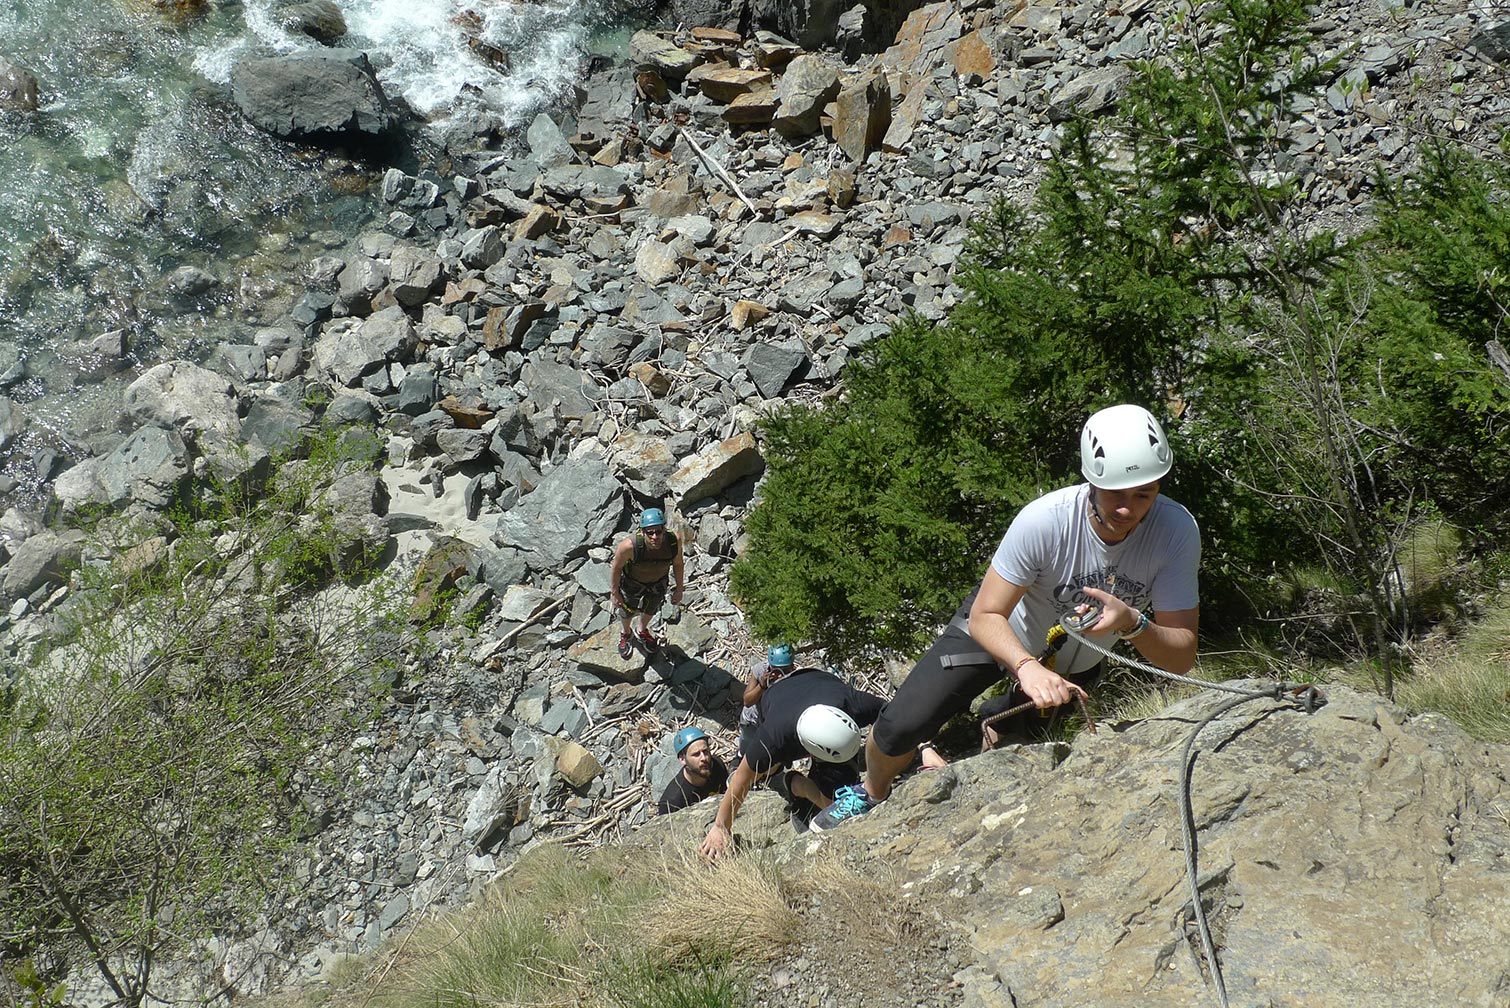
{"x":1350,"y":856}
{"x":551,"y":340}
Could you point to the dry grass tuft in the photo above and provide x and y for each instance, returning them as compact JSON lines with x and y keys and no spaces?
{"x":740,"y":907}
{"x":852,"y":904}
{"x":747,"y":908}
{"x":1472,"y":684}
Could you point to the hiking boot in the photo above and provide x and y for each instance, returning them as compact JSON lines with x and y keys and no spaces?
{"x":848,"y":803}
{"x":625,"y":648}
{"x":648,"y":642}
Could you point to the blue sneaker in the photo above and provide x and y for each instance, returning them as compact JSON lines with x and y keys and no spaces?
{"x":848,"y":803}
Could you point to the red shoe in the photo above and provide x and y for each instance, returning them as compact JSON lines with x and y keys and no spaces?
{"x":648,"y":641}
{"x":625,"y":648}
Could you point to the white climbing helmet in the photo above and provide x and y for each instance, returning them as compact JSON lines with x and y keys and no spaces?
{"x":828,"y":733}
{"x":1123,"y":447}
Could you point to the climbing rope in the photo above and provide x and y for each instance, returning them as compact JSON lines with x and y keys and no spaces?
{"x":1304,"y":695}
{"x":1053,"y":641}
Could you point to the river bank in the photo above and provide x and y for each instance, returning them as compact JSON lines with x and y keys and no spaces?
{"x":145,"y":219}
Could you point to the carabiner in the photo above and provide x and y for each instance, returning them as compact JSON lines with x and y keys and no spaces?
{"x":1079,"y":622}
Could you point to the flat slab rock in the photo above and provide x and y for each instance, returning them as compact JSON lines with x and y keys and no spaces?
{"x":1351,"y":856}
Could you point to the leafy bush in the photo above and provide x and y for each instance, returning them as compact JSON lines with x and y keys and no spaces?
{"x":1444,"y":239}
{"x":147,"y":761}
{"x":1316,"y":392}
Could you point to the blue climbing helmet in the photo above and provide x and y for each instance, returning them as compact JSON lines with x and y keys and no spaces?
{"x":779,"y":656}
{"x":652,"y":517}
{"x":686,"y":737}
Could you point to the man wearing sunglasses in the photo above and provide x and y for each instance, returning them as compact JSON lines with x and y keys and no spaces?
{"x":640,"y":579}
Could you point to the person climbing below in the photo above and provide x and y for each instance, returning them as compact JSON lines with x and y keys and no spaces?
{"x":808,"y":713}
{"x":778,"y":665}
{"x":1111,"y":542}
{"x":702,"y":773}
{"x":638,"y":581}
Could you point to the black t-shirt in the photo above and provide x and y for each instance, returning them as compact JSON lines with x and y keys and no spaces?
{"x":776,"y":740}
{"x":681,"y":792}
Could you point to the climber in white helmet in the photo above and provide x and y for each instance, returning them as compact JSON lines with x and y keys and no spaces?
{"x":808,"y":714}
{"x":1111,"y":542}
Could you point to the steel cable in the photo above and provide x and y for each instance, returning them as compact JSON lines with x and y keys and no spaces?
{"x":1305,"y":696}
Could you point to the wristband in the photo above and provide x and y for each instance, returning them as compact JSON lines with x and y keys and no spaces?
{"x":1023,"y":661}
{"x":1143,"y":622}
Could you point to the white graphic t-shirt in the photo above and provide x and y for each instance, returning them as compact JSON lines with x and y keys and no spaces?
{"x":1052,"y":548}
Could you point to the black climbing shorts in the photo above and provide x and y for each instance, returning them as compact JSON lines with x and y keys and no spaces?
{"x":939,"y":687}
{"x":943,"y":683}
{"x":642,"y":598}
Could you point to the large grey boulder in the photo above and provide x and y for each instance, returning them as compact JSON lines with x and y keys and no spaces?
{"x":462,"y":446}
{"x":277,"y":423}
{"x":601,"y":188}
{"x":708,"y":14}
{"x":244,"y":362}
{"x":183,"y":396}
{"x":358,"y":283}
{"x":648,"y":49}
{"x":772,"y":365}
{"x":314,"y":96}
{"x":501,"y":569}
{"x":599,"y":655}
{"x":548,"y":146}
{"x":716,"y":468}
{"x":18,"y":88}
{"x":1091,"y":93}
{"x":561,"y":387}
{"x":350,"y":349}
{"x":808,"y":84}
{"x":150,"y":467}
{"x":498,"y":806}
{"x":41,"y":559}
{"x":812,"y":24}
{"x":862,"y":115}
{"x":646,"y":462}
{"x":414,"y":274}
{"x":321,"y":20}
{"x":576,"y":506}
{"x":1356,"y":855}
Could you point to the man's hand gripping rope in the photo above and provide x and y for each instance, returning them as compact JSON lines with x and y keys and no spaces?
{"x":1053,"y":641}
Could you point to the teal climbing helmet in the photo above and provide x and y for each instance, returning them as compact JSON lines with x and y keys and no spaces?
{"x":652,"y":517}
{"x":686,"y":737}
{"x":779,"y":656}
